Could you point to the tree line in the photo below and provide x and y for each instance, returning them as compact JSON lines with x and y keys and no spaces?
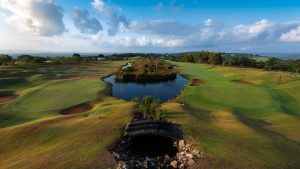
{"x":36,"y":60}
{"x":218,"y":58}
{"x":214,"y":58}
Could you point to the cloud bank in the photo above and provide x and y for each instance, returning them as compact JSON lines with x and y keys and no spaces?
{"x":44,"y":18}
{"x":291,"y":36}
{"x":110,"y":13}
{"x":38,"y":17}
{"x":83,"y":23}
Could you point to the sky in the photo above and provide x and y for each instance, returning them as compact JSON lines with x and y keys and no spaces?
{"x":164,"y":26}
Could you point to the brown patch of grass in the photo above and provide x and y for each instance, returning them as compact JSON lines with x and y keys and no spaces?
{"x":76,"y":109}
{"x":197,"y":82}
{"x":4,"y":98}
{"x":65,"y":141}
{"x":241,"y":81}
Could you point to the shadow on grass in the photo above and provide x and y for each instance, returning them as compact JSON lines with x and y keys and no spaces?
{"x":260,"y":127}
{"x":7,"y":120}
{"x":198,"y":113}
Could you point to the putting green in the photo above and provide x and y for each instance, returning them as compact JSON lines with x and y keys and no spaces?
{"x":57,"y":95}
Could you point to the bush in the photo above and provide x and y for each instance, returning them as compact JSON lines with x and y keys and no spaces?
{"x":148,"y":108}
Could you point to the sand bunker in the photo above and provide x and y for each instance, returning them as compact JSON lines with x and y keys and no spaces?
{"x":241,"y":81}
{"x":4,"y":98}
{"x":76,"y":109}
{"x":197,"y":82}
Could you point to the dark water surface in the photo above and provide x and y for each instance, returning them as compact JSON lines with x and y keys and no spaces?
{"x":160,"y":90}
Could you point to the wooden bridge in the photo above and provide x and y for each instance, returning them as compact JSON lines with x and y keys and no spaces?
{"x":155,"y":128}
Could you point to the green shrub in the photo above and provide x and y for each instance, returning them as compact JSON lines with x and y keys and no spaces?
{"x":148,"y":108}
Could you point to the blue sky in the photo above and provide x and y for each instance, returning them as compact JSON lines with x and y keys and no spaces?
{"x":150,"y":25}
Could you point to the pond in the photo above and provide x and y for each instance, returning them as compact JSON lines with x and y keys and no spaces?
{"x":163,"y":91}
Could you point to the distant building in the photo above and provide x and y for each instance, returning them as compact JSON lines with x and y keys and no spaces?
{"x":127,"y":66}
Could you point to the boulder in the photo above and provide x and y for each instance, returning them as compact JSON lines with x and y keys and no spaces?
{"x":190,"y":162}
{"x":181,"y":145}
{"x":190,"y":156}
{"x":174,"y":164}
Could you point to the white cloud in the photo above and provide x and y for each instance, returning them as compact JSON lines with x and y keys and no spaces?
{"x":161,"y":27}
{"x":291,"y":36}
{"x":111,"y":14}
{"x":209,"y":34}
{"x":83,"y":23}
{"x":142,"y":41}
{"x":38,"y":17}
{"x":247,"y":32}
{"x":170,"y":42}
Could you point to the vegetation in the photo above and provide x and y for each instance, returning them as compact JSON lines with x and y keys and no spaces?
{"x":5,"y":60}
{"x":149,"y":66}
{"x":32,"y":125}
{"x":146,"y":70}
{"x":36,"y":60}
{"x":240,"y":117}
{"x":271,"y":64}
{"x":148,"y":108}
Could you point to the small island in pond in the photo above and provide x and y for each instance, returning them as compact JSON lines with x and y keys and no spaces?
{"x":146,"y":70}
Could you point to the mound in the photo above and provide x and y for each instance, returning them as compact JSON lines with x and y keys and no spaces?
{"x":197,"y":82}
{"x":76,"y":109}
{"x":7,"y":96}
{"x":241,"y":81}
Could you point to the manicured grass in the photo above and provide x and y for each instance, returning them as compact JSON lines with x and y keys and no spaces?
{"x":45,"y":90}
{"x":74,"y":141}
{"x":239,"y":118}
{"x":253,"y":125}
{"x":57,"y":95}
{"x":34,"y":135}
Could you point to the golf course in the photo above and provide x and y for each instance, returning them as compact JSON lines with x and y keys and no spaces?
{"x":63,"y":116}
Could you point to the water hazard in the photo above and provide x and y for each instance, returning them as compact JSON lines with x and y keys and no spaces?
{"x":158,"y":90}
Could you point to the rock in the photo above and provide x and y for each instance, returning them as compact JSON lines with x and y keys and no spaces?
{"x":195,"y":152}
{"x":202,"y":155}
{"x":122,"y":165}
{"x":145,"y":165}
{"x":167,"y":156}
{"x":181,"y":145}
{"x":181,"y":166}
{"x":190,"y":156}
{"x":131,"y":164}
{"x":174,"y":164}
{"x":116,"y":155}
{"x":190,"y":162}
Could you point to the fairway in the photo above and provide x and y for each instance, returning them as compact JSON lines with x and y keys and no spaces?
{"x":31,"y":125}
{"x":240,"y":125}
{"x":237,"y":117}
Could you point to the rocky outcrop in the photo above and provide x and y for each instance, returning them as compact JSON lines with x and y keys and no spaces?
{"x":185,"y":157}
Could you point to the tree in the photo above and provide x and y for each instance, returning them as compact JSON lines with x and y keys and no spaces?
{"x":100,"y":56}
{"x":76,"y":57}
{"x":5,"y":59}
{"x":271,"y":64}
{"x":295,"y":66}
{"x":215,"y":59}
{"x":24,"y":59}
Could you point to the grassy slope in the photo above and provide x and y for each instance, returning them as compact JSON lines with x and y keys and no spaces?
{"x":241,"y":125}
{"x":237,"y":125}
{"x":34,"y":135}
